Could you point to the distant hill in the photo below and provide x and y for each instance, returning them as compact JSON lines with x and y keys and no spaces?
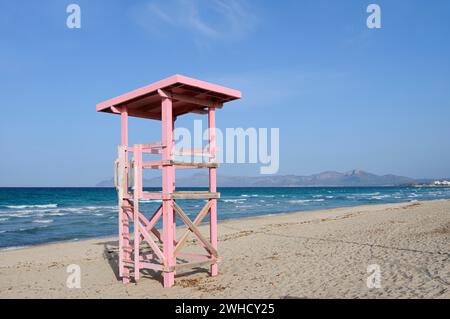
{"x":352,"y":178}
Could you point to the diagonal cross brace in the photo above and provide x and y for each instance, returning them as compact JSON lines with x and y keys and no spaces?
{"x":152,"y":244}
{"x":193,"y":228}
{"x":149,"y":224}
{"x":183,"y":239}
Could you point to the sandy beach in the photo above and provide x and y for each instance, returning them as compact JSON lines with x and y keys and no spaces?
{"x":316,"y":254}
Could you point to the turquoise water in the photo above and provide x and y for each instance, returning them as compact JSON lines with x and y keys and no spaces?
{"x":31,"y":216}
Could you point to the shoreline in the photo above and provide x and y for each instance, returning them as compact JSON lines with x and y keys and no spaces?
{"x":220,"y":221}
{"x":311,"y":254}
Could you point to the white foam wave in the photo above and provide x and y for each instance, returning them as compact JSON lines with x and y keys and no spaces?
{"x":88,"y":209}
{"x":32,"y":211}
{"x":18,"y":215}
{"x":368,"y":194}
{"x":32,"y":206}
{"x":380,"y":197}
{"x":56,"y":214}
{"x":98,"y":207}
{"x":43,"y":221}
{"x":299,"y":201}
{"x":246,"y":206}
{"x":233,"y":200}
{"x":76,"y":210}
{"x":303,"y":201}
{"x":12,"y":248}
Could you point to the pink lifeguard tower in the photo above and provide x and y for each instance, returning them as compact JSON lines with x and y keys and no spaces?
{"x":165,"y":101}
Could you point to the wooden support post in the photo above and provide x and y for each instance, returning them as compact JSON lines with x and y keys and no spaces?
{"x":167,"y":188}
{"x":137,"y":194}
{"x":174,"y":188}
{"x":124,"y":230}
{"x":213,"y":184}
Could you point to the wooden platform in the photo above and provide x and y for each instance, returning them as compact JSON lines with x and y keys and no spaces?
{"x":177,"y":164}
{"x":181,"y":195}
{"x":191,"y":164}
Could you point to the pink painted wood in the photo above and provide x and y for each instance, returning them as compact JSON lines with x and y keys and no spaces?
{"x":124,"y":228}
{"x":213,"y":183}
{"x":167,"y":188}
{"x":147,"y":95}
{"x":137,"y":194}
{"x":164,"y":100}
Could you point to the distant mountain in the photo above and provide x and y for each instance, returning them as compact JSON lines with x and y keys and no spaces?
{"x":352,"y":178}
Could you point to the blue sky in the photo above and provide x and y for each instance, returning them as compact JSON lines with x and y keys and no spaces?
{"x":343,"y":96}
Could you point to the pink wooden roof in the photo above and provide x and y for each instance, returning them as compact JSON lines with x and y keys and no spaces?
{"x":146,"y":102}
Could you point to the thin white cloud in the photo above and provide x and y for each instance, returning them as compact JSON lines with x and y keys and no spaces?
{"x":155,"y":9}
{"x":214,"y":19}
{"x":194,"y":19}
{"x":270,"y":87}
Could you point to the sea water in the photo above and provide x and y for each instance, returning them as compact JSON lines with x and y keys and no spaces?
{"x":30,"y":216}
